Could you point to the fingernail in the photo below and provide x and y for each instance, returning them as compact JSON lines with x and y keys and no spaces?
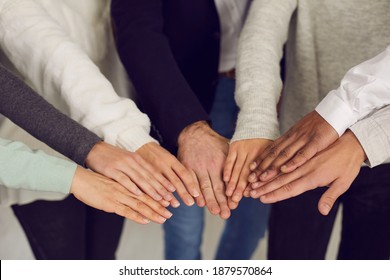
{"x":168,"y":197}
{"x":146,"y":221}
{"x":195,"y":194}
{"x":169,"y":214}
{"x":175,"y":204}
{"x":215,"y":211}
{"x":236,"y":198}
{"x":157,"y":197}
{"x":137,"y":192}
{"x":283,"y":167}
{"x":253,"y":193}
{"x":190,"y":201}
{"x":165,"y":203}
{"x":325,"y":208}
{"x":161,"y":219}
{"x":264,"y":175}
{"x":171,"y":188}
{"x":252,"y":166}
{"x":252,"y":176}
{"x":255,"y":185}
{"x":225,"y":214}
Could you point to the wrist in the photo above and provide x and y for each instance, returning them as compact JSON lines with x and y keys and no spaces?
{"x":93,"y":155}
{"x":357,"y":149}
{"x":196,"y":129}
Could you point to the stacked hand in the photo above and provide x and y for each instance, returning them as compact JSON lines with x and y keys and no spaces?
{"x":237,"y":168}
{"x":308,"y":156}
{"x":204,"y":151}
{"x":102,"y":193}
{"x":212,"y":174}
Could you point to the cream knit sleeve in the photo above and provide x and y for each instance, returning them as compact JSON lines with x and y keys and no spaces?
{"x":258,"y":84}
{"x":44,"y":53}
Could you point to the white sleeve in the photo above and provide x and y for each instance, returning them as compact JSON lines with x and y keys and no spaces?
{"x":364,"y":88}
{"x":43,"y":52}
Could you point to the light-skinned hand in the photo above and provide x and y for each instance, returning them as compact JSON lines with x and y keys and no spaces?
{"x":131,"y":171}
{"x":237,"y":167}
{"x":169,"y":166}
{"x":105,"y":194}
{"x":204,"y":151}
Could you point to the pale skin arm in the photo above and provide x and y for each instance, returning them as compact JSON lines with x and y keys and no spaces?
{"x":102,"y":193}
{"x":204,"y":151}
{"x":131,"y":171}
{"x":300,"y":143}
{"x":178,"y":175}
{"x":237,"y":168}
{"x":336,"y":167}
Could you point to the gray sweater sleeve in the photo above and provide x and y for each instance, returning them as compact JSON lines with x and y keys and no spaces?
{"x":259,"y":84}
{"x":39,"y":118}
{"x":373,"y":133}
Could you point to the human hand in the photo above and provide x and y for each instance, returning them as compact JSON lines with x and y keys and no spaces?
{"x":337,"y":166}
{"x":169,"y":166}
{"x":204,"y":151}
{"x":131,"y":171}
{"x":237,"y":167}
{"x":300,"y":143}
{"x":104,"y":194}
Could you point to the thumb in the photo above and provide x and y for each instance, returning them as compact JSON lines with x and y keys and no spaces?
{"x":329,"y":197}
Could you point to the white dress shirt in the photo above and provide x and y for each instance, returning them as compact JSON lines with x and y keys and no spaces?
{"x":232,"y":15}
{"x":364,"y":89}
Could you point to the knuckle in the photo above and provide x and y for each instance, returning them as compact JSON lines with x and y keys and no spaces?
{"x":218,"y":188}
{"x":204,"y":187}
{"x":287,"y":188}
{"x":302,"y":154}
{"x":285,"y":153}
{"x":139,"y":205}
{"x":272,"y":167}
{"x":273,"y":152}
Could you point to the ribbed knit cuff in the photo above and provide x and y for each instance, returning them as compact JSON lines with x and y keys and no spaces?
{"x":133,"y":138}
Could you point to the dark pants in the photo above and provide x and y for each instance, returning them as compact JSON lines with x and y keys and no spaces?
{"x":298,"y":231}
{"x":69,"y":230}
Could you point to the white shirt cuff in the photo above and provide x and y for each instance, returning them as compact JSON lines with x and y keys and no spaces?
{"x":338,"y":114}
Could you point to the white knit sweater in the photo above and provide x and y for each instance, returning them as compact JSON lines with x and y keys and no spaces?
{"x":65,"y":51}
{"x":56,"y":46}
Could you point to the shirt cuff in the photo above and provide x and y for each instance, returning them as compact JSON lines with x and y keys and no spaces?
{"x":372,"y":139}
{"x":336,"y":112}
{"x":133,"y":138}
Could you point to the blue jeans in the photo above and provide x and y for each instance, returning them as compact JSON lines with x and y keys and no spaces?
{"x":247,"y":224}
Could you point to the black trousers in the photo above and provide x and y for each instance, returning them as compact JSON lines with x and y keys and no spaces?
{"x":69,"y":230}
{"x":298,"y":231}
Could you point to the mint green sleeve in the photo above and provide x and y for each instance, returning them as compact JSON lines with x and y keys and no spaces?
{"x":21,"y":167}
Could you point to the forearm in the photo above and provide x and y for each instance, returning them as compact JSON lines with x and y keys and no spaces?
{"x":363,"y":89}
{"x":373,"y":134}
{"x":258,"y":68}
{"x":39,"y":118}
{"x":34,"y":170}
{"x":44,"y":53}
{"x":150,"y":63}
